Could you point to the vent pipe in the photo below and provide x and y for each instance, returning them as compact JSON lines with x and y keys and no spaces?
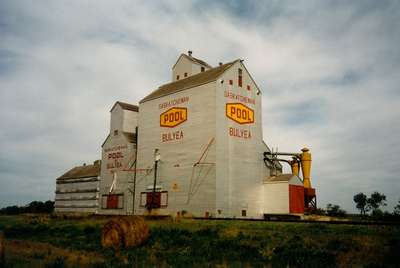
{"x":305,"y":158}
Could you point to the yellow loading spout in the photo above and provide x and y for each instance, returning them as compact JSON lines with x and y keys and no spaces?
{"x":294,"y":164}
{"x":305,"y":157}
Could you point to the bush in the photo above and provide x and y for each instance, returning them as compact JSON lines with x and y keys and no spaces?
{"x":33,"y":207}
{"x":316,"y":211}
{"x":335,"y":211}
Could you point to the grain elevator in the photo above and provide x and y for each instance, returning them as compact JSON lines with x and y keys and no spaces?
{"x":195,"y":145}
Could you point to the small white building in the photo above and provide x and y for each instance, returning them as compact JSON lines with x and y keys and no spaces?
{"x":284,"y":194}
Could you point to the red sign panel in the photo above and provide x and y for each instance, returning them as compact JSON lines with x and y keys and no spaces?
{"x":296,"y":199}
{"x":112,"y":201}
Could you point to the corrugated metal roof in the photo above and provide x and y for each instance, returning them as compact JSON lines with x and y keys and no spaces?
{"x":82,"y":172}
{"x":189,"y":82}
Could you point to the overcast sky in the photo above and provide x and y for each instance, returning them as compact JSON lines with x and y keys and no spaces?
{"x":329,"y":72}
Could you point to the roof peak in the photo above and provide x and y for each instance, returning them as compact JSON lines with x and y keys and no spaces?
{"x":196,"y":60}
{"x":189,"y":82}
{"x":126,"y":106}
{"x":83,"y":171}
{"x":192,"y":59}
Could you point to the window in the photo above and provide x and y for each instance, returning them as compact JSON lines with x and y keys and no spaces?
{"x":202,"y":69}
{"x":240,"y":79}
{"x":160,"y":199}
{"x":185,"y":74}
{"x":244,"y":213}
{"x":248,"y":87}
{"x":177,"y":77}
{"x":115,"y":132}
{"x":230,"y":82}
{"x":112,"y":201}
{"x":153,"y":200}
{"x":143,"y":199}
{"x":219,"y":211}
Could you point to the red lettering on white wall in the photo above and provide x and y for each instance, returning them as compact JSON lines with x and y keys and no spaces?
{"x":114,"y":160}
{"x":173,"y":102}
{"x":230,"y":95}
{"x":239,"y":133}
{"x":171,"y":136}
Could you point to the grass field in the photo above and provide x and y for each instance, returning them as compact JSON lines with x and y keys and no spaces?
{"x":42,"y":241}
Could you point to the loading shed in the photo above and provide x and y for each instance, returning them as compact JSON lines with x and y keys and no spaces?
{"x":284,"y":194}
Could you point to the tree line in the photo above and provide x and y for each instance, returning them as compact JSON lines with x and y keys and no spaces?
{"x":369,"y":207}
{"x":32,"y":207}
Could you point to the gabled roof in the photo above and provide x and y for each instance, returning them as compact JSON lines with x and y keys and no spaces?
{"x":82,"y":171}
{"x":282,"y":178}
{"x":126,"y":106}
{"x":189,"y":82}
{"x":192,"y":59}
{"x":131,"y":137}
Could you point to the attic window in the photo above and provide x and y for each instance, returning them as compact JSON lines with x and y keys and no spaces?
{"x":115,"y":132}
{"x":240,"y":79}
{"x":248,"y":87}
{"x":113,"y":201}
{"x":177,"y":77}
{"x":185,"y":74}
{"x":202,"y":69}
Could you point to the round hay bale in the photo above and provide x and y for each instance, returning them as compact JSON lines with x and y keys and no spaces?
{"x":124,"y":232}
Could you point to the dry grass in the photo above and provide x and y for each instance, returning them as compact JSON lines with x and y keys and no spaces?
{"x":72,"y":242}
{"x":39,"y":254}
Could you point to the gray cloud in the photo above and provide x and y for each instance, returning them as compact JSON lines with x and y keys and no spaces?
{"x":328,"y":71}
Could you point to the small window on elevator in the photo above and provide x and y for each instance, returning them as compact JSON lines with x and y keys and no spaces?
{"x":177,"y":77}
{"x":185,"y":75}
{"x":202,"y":69}
{"x":115,"y":132}
{"x":244,"y":213}
{"x":240,"y":78}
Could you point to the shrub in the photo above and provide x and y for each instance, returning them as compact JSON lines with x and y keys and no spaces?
{"x":335,"y":211}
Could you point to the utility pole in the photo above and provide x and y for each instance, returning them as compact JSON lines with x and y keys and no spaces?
{"x":156,"y":159}
{"x":134,"y":173}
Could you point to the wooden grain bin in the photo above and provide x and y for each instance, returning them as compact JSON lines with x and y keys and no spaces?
{"x":124,"y":232}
